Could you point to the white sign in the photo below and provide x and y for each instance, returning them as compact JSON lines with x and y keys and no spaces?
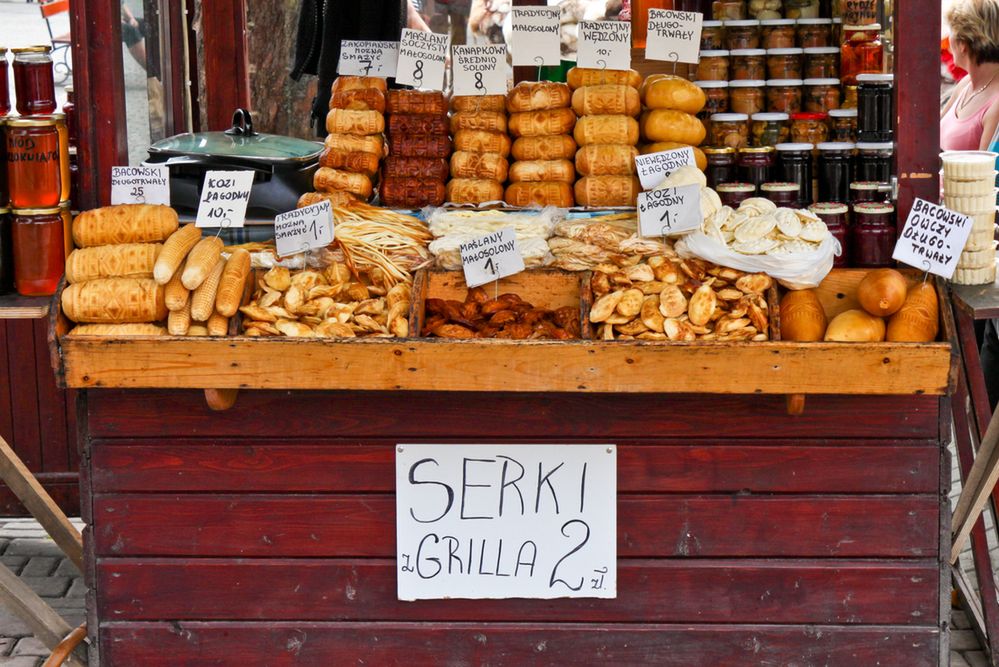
{"x":655,"y":167}
{"x":422,"y":59}
{"x":506,"y":521}
{"x":140,"y":185}
{"x":933,"y":238}
{"x":491,"y":257}
{"x":304,"y":229}
{"x":674,"y":36}
{"x":224,"y":197}
{"x":534,"y":36}
{"x":669,"y":211}
{"x":604,"y":44}
{"x":365,"y":58}
{"x":479,"y":70}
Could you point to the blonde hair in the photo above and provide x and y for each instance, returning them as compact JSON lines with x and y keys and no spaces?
{"x":975,"y":23}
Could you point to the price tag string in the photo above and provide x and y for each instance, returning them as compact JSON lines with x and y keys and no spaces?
{"x":224,"y":224}
{"x":541,"y":63}
{"x":674,"y":60}
{"x":926,"y":270}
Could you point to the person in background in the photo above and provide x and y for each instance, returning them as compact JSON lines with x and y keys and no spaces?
{"x":971,"y":116}
{"x":451,"y":16}
{"x":134,"y":36}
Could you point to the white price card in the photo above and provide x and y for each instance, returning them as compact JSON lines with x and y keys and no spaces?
{"x":304,"y":229}
{"x":491,"y":257}
{"x":140,"y":185}
{"x":224,"y":197}
{"x":674,"y":36}
{"x":367,"y":58}
{"x":655,"y":167}
{"x":422,"y":59}
{"x":479,"y":70}
{"x":604,"y":44}
{"x":933,"y":238}
{"x":669,"y":211}
{"x":534,"y":36}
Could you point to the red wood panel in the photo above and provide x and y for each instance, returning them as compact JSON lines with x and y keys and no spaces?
{"x":24,"y":392}
{"x":666,"y":591}
{"x":72,"y":429}
{"x":227,"y":83}
{"x":63,"y":487}
{"x":648,"y":526}
{"x":6,"y":415}
{"x":51,"y":406}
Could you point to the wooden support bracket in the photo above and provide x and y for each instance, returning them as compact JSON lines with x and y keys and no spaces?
{"x":795,"y":404}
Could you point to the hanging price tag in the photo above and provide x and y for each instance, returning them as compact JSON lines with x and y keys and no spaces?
{"x":674,"y":36}
{"x":365,"y":58}
{"x":604,"y":44}
{"x":140,"y":185}
{"x":669,"y":211}
{"x":655,"y":167}
{"x":933,"y":238}
{"x":491,"y":257}
{"x":224,"y":197}
{"x":479,"y":70}
{"x":422,"y":59}
{"x":534,"y":36}
{"x":304,"y":229}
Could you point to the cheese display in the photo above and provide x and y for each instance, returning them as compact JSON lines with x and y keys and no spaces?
{"x":542,"y":121}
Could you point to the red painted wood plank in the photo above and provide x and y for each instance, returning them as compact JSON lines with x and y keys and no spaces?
{"x":648,"y":526}
{"x":227,"y":83}
{"x":24,"y":395}
{"x":408,"y":644}
{"x":661,"y":591}
{"x":51,"y":406}
{"x":63,"y":487}
{"x":332,"y":465}
{"x":72,"y":430}
{"x":6,"y":387}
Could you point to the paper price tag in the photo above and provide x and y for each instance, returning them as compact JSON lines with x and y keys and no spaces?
{"x":224,"y":197}
{"x":604,"y":44}
{"x":674,"y":36}
{"x":491,"y":257}
{"x":669,"y":211}
{"x":933,"y":238}
{"x":140,"y":185}
{"x":422,"y":59}
{"x":304,"y":229}
{"x":479,"y":70}
{"x":655,"y":167}
{"x":534,"y":36}
{"x":366,"y":58}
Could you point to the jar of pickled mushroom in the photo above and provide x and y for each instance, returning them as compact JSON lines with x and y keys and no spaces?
{"x":748,"y":64}
{"x":777,"y":33}
{"x":821,"y":95}
{"x":784,"y":95}
{"x":729,"y":130}
{"x":843,"y":125}
{"x":784,"y":63}
{"x":746,"y":96}
{"x":742,"y":34}
{"x":713,"y":66}
{"x":769,"y":129}
{"x":814,"y":32}
{"x":809,"y":128}
{"x":821,"y":62}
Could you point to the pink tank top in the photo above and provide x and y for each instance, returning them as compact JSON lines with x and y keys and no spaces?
{"x":963,"y":134}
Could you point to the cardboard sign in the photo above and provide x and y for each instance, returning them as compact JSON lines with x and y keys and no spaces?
{"x":140,"y":185}
{"x":304,"y":229}
{"x":655,"y":167}
{"x":534,"y":36}
{"x":491,"y":257}
{"x":933,"y":238}
{"x":669,"y":211}
{"x":479,"y":70}
{"x":604,"y":44}
{"x":422,"y":59}
{"x":224,"y":197}
{"x":367,"y":58}
{"x":506,"y":521}
{"x":674,"y":36}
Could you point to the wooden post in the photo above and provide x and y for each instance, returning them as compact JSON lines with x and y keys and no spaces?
{"x":227,"y":82}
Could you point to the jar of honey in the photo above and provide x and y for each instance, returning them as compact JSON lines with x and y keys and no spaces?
{"x":4,"y":84}
{"x":4,"y":194}
{"x":34,"y":162}
{"x":6,"y":253}
{"x":34,"y":86}
{"x":39,"y":250}
{"x":862,"y":52}
{"x":69,"y":111}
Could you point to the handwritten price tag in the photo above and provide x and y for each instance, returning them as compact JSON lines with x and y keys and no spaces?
{"x":366,"y":58}
{"x":933,"y":238}
{"x":655,"y":167}
{"x":534,"y":36}
{"x":140,"y":185}
{"x":479,"y":70}
{"x":604,"y":44}
{"x":224,"y":197}
{"x":674,"y":36}
{"x":304,"y":229}
{"x":491,"y":257}
{"x":669,"y":211}
{"x":422,"y":59}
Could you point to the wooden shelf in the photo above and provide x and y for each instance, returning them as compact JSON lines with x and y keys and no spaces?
{"x":17,"y":307}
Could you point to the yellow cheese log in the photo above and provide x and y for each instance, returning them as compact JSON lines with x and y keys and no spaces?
{"x":177,"y":295}
{"x":115,"y":301}
{"x":174,"y":251}
{"x":179,"y":321}
{"x":130,"y":260}
{"x":203,"y":298}
{"x":125,"y":223}
{"x":233,"y":280}
{"x":118,"y":330}
{"x":200,"y":262}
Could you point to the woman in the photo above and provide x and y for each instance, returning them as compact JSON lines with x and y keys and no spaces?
{"x":971,"y":116}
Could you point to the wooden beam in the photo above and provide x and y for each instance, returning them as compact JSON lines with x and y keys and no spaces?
{"x":227,"y":81}
{"x":48,"y":626}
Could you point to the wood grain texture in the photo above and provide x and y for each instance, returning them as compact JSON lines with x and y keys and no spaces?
{"x":227,"y":83}
{"x":51,"y":407}
{"x":63,"y":487}
{"x":23,"y":369}
{"x":17,"y":307}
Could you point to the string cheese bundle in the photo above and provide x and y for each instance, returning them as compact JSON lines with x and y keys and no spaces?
{"x":542,"y":121}
{"x":419,"y":145}
{"x":479,"y":165}
{"x":669,"y":121}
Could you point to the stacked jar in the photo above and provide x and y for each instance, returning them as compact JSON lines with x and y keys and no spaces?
{"x":969,"y":188}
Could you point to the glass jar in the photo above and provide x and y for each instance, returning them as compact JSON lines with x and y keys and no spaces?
{"x":849,"y":97}
{"x":725,"y":10}
{"x":733,"y":194}
{"x":781,"y":193}
{"x":39,"y":250}
{"x":721,"y":166}
{"x":69,"y":112}
{"x":4,"y":84}
{"x":769,"y":129}
{"x":777,"y":33}
{"x":34,"y":174}
{"x":784,"y":63}
{"x":865,"y":191}
{"x":875,"y":107}
{"x":784,"y":95}
{"x":4,"y":193}
{"x":843,"y":125}
{"x":859,"y":12}
{"x":765,"y":9}
{"x":746,"y":96}
{"x":756,"y":164}
{"x":862,"y":52}
{"x":809,"y":128}
{"x":794,"y":165}
{"x":834,"y":215}
{"x":74,"y":176}
{"x":742,"y":34}
{"x":729,"y":130}
{"x":716,"y":94}
{"x":6,"y":253}
{"x":748,"y":64}
{"x":713,"y":66}
{"x":712,"y":36}
{"x":821,"y":62}
{"x":813,"y":32}
{"x":834,"y":173}
{"x":66,"y":213}
{"x":874,"y":161}
{"x":801,"y":9}
{"x":34,"y":85}
{"x":821,"y":95}
{"x":872,"y":235}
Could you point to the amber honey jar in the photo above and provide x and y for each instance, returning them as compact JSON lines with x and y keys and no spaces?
{"x":34,"y":85}
{"x":39,"y":250}
{"x":4,"y":84}
{"x":35,"y":175}
{"x":862,"y":52}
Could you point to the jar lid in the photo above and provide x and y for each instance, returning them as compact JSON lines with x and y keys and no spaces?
{"x":772,"y":116}
{"x":821,"y":50}
{"x":756,"y":150}
{"x":736,"y":53}
{"x":821,"y":82}
{"x":865,"y":185}
{"x":729,"y":118}
{"x":836,"y":146}
{"x":796,"y":147}
{"x":735,"y":187}
{"x":860,"y":28}
{"x":780,"y":186}
{"x":3,"y":50}
{"x":747,"y":83}
{"x":770,"y":23}
{"x":716,"y":53}
{"x":741,"y":23}
{"x":711,"y":24}
{"x":67,"y":205}
{"x":36,"y":121}
{"x":837,"y":19}
{"x":842,"y":113}
{"x":828,"y":208}
{"x":73,"y":150}
{"x":873,"y":207}
{"x":794,"y":51}
{"x":785,"y":83}
{"x":814,"y":21}
{"x":875,"y":78}
{"x":36,"y":211}
{"x":3,"y":209}
{"x":41,"y":48}
{"x":711,"y":84}
{"x":875,"y":146}
{"x":718,"y":150}
{"x":808,"y":115}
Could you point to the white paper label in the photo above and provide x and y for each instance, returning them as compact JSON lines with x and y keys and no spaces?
{"x":669,"y":211}
{"x":506,"y":521}
{"x":655,"y":167}
{"x":933,"y":238}
{"x":491,"y":257}
{"x":534,"y":36}
{"x":365,"y":58}
{"x":224,"y":197}
{"x":304,"y":229}
{"x":674,"y":36}
{"x":604,"y":44}
{"x":140,"y":185}
{"x":422,"y":59}
{"x":479,"y":70}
